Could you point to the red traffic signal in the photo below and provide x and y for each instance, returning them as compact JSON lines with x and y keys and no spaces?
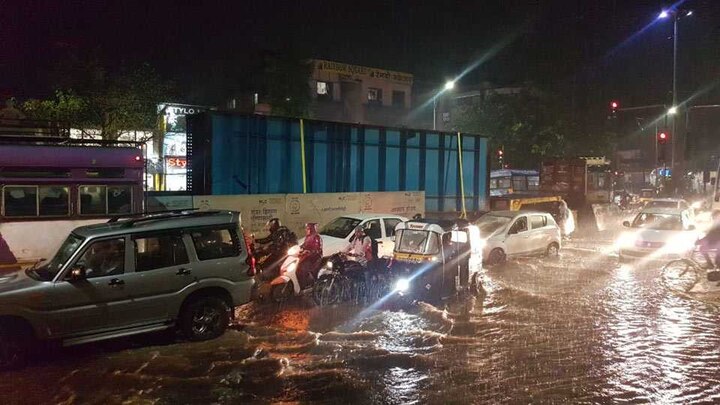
{"x":614,"y":105}
{"x":500,"y":152}
{"x":662,"y":137}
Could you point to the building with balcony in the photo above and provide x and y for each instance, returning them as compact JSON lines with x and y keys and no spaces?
{"x":359,"y":94}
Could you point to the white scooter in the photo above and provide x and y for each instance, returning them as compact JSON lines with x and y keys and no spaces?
{"x":287,"y":283}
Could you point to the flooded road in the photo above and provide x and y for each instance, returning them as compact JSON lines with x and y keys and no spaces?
{"x":574,"y":329}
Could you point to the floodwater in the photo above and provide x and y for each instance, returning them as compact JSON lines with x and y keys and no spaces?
{"x":574,"y":329}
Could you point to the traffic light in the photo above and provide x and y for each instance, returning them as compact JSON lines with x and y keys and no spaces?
{"x":500,"y":152}
{"x":662,"y":137}
{"x":614,"y":105}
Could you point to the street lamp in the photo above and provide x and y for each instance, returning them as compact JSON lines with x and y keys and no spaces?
{"x":449,"y":85}
{"x":676,"y":14}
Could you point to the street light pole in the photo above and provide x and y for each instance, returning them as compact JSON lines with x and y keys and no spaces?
{"x":434,"y":113}
{"x":674,"y":92}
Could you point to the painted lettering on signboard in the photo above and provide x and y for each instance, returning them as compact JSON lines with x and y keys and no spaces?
{"x":356,"y":70}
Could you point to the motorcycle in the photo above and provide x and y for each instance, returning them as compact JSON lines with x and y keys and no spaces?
{"x":340,"y":279}
{"x":288,"y":283}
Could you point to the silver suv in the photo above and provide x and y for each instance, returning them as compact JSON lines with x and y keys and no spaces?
{"x":131,"y":275}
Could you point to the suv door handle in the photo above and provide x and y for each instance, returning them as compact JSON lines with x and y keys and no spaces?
{"x":183,"y":272}
{"x":116,"y":281}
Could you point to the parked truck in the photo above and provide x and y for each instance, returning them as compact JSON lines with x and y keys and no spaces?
{"x":580,"y":181}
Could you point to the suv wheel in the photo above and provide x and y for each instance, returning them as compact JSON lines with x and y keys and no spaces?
{"x":13,"y":347}
{"x":205,"y":318}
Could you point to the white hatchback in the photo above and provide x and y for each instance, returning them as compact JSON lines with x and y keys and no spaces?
{"x":658,"y":233}
{"x":518,"y":233}
{"x":338,"y":233}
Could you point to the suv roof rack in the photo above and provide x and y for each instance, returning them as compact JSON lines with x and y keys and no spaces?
{"x":141,"y":214}
{"x":170,"y":215}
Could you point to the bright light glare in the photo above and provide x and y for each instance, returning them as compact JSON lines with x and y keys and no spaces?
{"x":672,"y":110}
{"x":664,"y":14}
{"x":329,"y":264}
{"x":449,"y":85}
{"x":402,"y":285}
{"x":689,"y":13}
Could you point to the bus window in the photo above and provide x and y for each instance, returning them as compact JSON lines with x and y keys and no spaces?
{"x":54,"y":201}
{"x":119,"y":200}
{"x":519,"y":183}
{"x":533,"y":183}
{"x":33,"y":201}
{"x":102,"y":200}
{"x":93,"y":200}
{"x":20,"y":201}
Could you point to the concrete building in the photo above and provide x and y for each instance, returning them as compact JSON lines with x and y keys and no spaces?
{"x":359,"y":94}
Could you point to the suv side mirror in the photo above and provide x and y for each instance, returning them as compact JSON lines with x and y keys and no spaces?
{"x":78,"y":273}
{"x":626,"y":224}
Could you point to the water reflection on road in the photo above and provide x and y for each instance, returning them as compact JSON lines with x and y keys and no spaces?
{"x":577,"y":329}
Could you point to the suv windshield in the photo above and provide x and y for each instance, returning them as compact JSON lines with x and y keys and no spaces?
{"x":51,"y":268}
{"x":411,"y":241}
{"x":661,"y":222}
{"x":340,"y":227}
{"x":489,"y":224}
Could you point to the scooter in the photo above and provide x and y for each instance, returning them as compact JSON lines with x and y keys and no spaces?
{"x":288,"y":284}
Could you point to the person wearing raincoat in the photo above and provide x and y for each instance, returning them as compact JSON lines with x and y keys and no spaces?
{"x":311,"y":252}
{"x":566,"y":220}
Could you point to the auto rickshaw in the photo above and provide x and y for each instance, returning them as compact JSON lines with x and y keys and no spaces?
{"x":436,"y":258}
{"x":646,"y":195}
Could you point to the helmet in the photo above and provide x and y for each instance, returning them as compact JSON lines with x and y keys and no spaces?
{"x":273,"y":225}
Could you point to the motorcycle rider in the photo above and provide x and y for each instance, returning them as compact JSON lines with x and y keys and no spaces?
{"x":360,"y":247}
{"x":276,"y":246}
{"x":311,"y":253}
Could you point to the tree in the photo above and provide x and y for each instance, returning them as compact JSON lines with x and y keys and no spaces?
{"x":285,"y":81}
{"x":108,"y":105}
{"x":530,"y":126}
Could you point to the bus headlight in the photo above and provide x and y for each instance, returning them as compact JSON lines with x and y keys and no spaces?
{"x":402,"y":285}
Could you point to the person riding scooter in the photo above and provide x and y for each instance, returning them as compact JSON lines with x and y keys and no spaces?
{"x":311,"y":254}
{"x":275,"y":247}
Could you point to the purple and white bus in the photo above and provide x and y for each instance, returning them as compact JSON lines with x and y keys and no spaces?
{"x":50,"y":187}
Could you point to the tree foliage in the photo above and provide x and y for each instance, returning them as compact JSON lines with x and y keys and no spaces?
{"x":108,"y":104}
{"x":286,"y":86}
{"x":530,"y":126}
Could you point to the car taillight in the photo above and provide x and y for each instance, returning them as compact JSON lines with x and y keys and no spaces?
{"x":251,"y":265}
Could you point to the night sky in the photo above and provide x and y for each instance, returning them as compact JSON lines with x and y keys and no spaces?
{"x":570,"y":45}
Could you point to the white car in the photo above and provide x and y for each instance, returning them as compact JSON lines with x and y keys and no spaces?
{"x":338,"y":234}
{"x":658,"y":233}
{"x":518,"y":233}
{"x":671,"y":203}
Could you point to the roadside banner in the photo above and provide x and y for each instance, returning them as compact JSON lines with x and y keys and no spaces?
{"x":295,"y":210}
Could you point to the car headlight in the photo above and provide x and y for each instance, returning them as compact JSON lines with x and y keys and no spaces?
{"x":402,"y":285}
{"x":626,"y":240}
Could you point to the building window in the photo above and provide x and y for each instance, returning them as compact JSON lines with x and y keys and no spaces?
{"x":374,"y":95}
{"x":324,"y":91}
{"x":398,"y":98}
